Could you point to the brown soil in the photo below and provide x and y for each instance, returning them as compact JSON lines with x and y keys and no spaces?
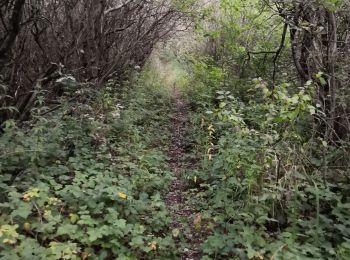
{"x":176,"y":202}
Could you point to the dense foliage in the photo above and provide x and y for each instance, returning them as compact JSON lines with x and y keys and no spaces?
{"x":263,"y":184}
{"x":272,"y":181}
{"x":86,"y":129}
{"x":87,"y":182}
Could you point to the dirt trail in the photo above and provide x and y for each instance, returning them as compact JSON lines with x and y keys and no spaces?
{"x":175,"y":200}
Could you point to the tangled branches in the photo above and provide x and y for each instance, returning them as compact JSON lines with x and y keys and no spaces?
{"x":92,"y":40}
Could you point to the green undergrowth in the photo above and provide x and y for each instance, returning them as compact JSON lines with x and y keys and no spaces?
{"x":266,"y":187}
{"x":87,"y":182}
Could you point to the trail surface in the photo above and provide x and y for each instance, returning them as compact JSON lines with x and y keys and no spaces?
{"x":182,"y":213}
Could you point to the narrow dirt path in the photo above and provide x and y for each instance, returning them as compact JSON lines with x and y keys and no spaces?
{"x":182,"y":213}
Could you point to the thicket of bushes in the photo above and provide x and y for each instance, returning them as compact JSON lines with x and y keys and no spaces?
{"x":273,"y":178}
{"x":88,"y":182}
{"x":83,"y":165}
{"x":90,"y":42}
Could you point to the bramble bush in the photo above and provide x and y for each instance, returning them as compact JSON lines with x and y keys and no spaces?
{"x":86,"y":182}
{"x":270,"y":181}
{"x":262,"y":184}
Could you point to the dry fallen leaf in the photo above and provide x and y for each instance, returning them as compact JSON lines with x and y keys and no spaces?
{"x":176,"y":232}
{"x":153,"y":245}
{"x":197,"y":221}
{"x":26,"y":197}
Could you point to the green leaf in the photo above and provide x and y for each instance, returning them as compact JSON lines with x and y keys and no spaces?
{"x":323,"y":81}
{"x":73,"y":218}
{"x":222,"y":104}
{"x":94,"y":234}
{"x":67,"y":229}
{"x":250,"y":252}
{"x":23,"y":211}
{"x":137,"y":241}
{"x":120,"y":223}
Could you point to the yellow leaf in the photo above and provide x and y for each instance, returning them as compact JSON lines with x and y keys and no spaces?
{"x":9,"y":241}
{"x":26,"y":226}
{"x":73,"y":218}
{"x":33,"y":193}
{"x":47,"y":214}
{"x":122,"y":195}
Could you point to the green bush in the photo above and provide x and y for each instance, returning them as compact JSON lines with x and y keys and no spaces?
{"x":260,"y":183}
{"x":88,"y":183}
